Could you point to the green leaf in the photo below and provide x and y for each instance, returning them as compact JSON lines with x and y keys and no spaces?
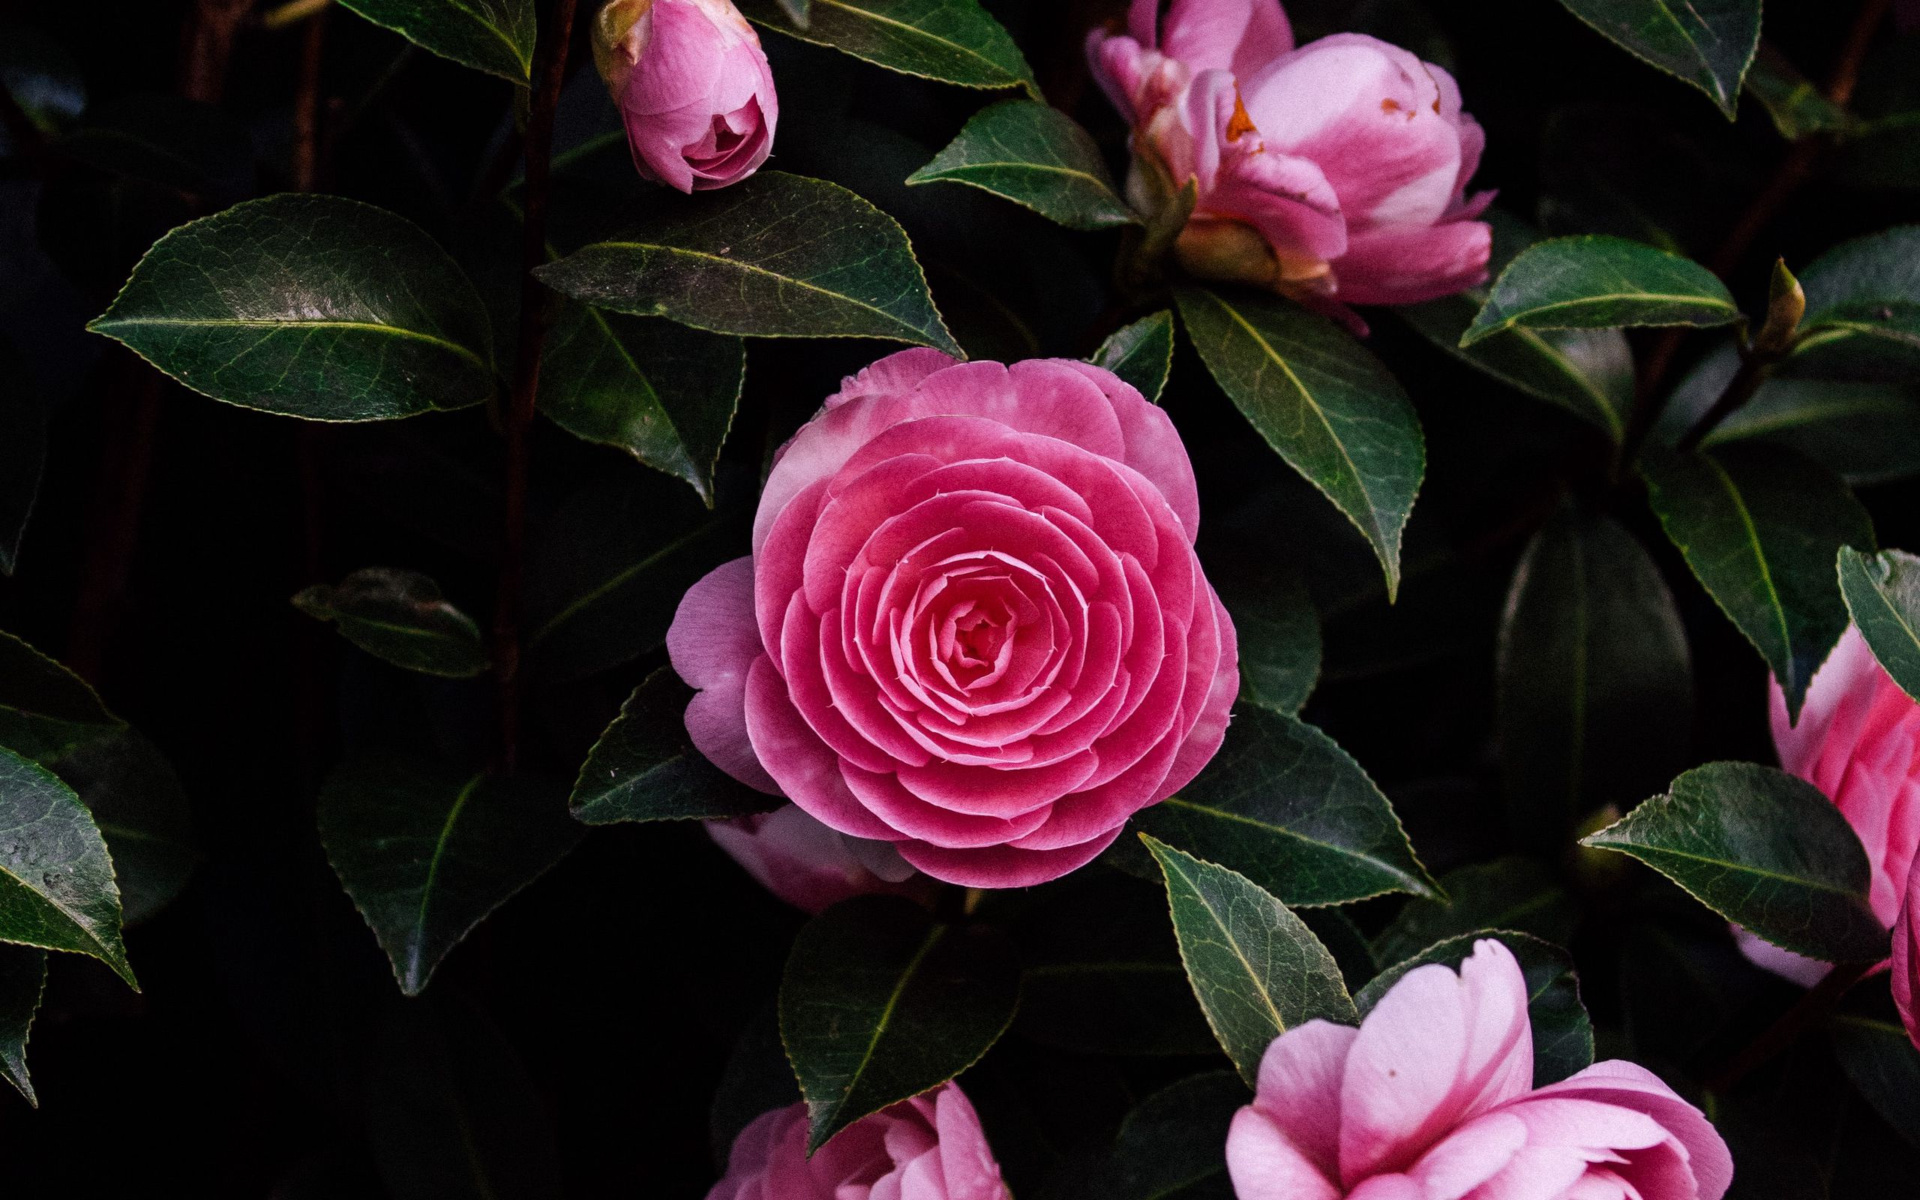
{"x":141,"y":809}
{"x":953,"y":41}
{"x":661,"y":392}
{"x":45,"y":709}
{"x":1863,"y":305}
{"x":645,"y":767}
{"x":1513,"y":893}
{"x":1595,"y":699}
{"x":1883,"y":596}
{"x":427,"y":852}
{"x":775,"y":256}
{"x":1257,"y":970}
{"x":165,"y":139}
{"x":495,"y":36}
{"x":1284,"y":806}
{"x":1172,"y":1146}
{"x":311,"y":306}
{"x":1884,"y":1067}
{"x":1597,"y":282}
{"x":1793,"y":101}
{"x":56,"y":880}
{"x":1764,"y":849}
{"x":879,"y":1003}
{"x":23,"y":977}
{"x":1322,"y":401}
{"x":798,"y":11}
{"x":1277,"y":628}
{"x":1707,"y":43}
{"x":1141,"y":354}
{"x":400,"y":617}
{"x":1562,"y":1031}
{"x":1037,"y":156}
{"x":1760,"y":527}
{"x":756,"y":1079}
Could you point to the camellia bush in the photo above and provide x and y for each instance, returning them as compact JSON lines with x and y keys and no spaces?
{"x":959,"y":599}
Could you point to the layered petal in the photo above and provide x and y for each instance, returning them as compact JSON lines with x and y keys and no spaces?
{"x":807,"y":864}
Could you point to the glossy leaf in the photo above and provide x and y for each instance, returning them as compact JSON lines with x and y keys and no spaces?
{"x":1883,"y":596}
{"x":1562,"y":1031}
{"x":1284,"y":806}
{"x":1885,"y":1068}
{"x":880,"y":1003}
{"x":775,"y":256}
{"x":1764,"y":849}
{"x":1518,"y":894}
{"x":400,"y":617}
{"x":45,"y":709}
{"x":1863,"y":305}
{"x":141,"y":809}
{"x":23,"y":977}
{"x":1277,"y":628}
{"x":1796,"y":104}
{"x":1141,"y":354}
{"x":1595,"y":694}
{"x":1257,"y":970}
{"x":1707,"y":43}
{"x":1172,"y":1146}
{"x":1037,"y":156}
{"x":661,"y":392}
{"x":495,"y":36}
{"x":311,"y":306}
{"x":1600,"y":283}
{"x":56,"y":880}
{"x":427,"y":852}
{"x":645,"y":767}
{"x":953,"y":41}
{"x":1322,"y":401}
{"x":1760,"y":527}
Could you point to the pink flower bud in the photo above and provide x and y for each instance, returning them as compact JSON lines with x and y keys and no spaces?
{"x":1906,"y":958}
{"x":693,"y":87}
{"x":809,"y":865}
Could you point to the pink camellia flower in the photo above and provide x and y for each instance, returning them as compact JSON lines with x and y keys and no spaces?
{"x":1432,"y":1098}
{"x":972,"y":623}
{"x":1906,"y":958}
{"x":808,"y":865}
{"x":928,"y":1148}
{"x":1858,"y":741}
{"x":693,"y":87}
{"x":1335,"y":172}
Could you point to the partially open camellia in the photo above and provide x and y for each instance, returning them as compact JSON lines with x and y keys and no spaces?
{"x":972,"y":624}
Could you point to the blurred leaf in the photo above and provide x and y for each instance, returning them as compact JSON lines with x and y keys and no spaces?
{"x":1764,"y":849}
{"x":645,"y":768}
{"x":42,"y":78}
{"x":1257,"y":970}
{"x":1863,"y":306}
{"x":495,"y":36}
{"x":56,"y":879}
{"x":1277,"y":628}
{"x":427,"y":852}
{"x":1283,"y":805}
{"x":1036,"y":156}
{"x":1797,"y":106}
{"x":663,"y":393}
{"x":312,"y":306}
{"x":879,"y":1003}
{"x":1513,"y":893}
{"x":1562,"y":1031}
{"x":1883,"y":148}
{"x":23,"y":451}
{"x":1322,"y":401}
{"x":23,"y":977}
{"x":141,"y":809}
{"x":401,"y":618}
{"x":1685,"y":985}
{"x":1707,"y":43}
{"x":1595,"y":683}
{"x":1598,"y":282}
{"x":1344,"y":940}
{"x":1171,"y":1147}
{"x":775,"y":256}
{"x":953,"y":41}
{"x":165,"y":139}
{"x":1759,"y":527}
{"x":798,"y":11}
{"x":45,"y":709}
{"x":1883,"y":597}
{"x":1636,"y":171}
{"x":1884,"y":1066}
{"x":1141,"y":354}
{"x":757,"y":1079}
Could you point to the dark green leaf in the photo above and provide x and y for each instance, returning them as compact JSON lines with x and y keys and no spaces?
{"x":1508,"y":893}
{"x":1707,"y":43}
{"x":23,"y":451}
{"x":1562,"y":1031}
{"x":1171,"y":1147}
{"x":45,"y":709}
{"x":1037,"y":156}
{"x":880,"y":1003}
{"x":23,"y":976}
{"x":953,"y":41}
{"x":1884,"y":1066}
{"x":43,"y":80}
{"x":1257,"y":970}
{"x":1141,"y":354}
{"x":1883,"y":595}
{"x":1760,"y":527}
{"x":312,"y":306}
{"x":401,"y":617}
{"x":645,"y":768}
{"x":1595,"y":679}
{"x":1322,"y":401}
{"x":1763,"y":849}
{"x":1344,"y":940}
{"x":495,"y":36}
{"x":663,"y":393}
{"x":798,"y":11}
{"x":427,"y":853}
{"x":1597,"y":282}
{"x":56,"y":880}
{"x":776,"y":256}
{"x":1795,"y":103}
{"x":141,"y":809}
{"x":164,"y":139}
{"x":1863,"y":305}
{"x":757,"y":1079}
{"x":1284,"y":806}
{"x":1277,"y":627}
